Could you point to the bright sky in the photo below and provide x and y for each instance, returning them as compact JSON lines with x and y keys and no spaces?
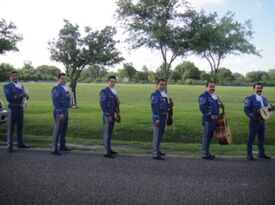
{"x":40,"y":21}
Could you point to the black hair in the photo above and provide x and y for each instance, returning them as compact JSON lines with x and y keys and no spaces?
{"x":209,"y":82}
{"x":111,"y":77}
{"x":13,"y":72}
{"x":160,"y":80}
{"x":60,"y":74}
{"x":258,"y":83}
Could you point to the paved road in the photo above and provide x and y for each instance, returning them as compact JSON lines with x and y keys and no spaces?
{"x":37,"y":177}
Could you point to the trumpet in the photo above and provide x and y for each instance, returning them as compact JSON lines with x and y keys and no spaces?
{"x":26,"y":98}
{"x":72,"y":99}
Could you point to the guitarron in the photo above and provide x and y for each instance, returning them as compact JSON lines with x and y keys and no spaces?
{"x":223,"y":132}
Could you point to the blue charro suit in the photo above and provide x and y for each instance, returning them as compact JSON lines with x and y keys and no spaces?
{"x":208,"y":107}
{"x":159,"y":107}
{"x":256,"y":125}
{"x":61,"y":103}
{"x":14,"y":97}
{"x":108,"y":103}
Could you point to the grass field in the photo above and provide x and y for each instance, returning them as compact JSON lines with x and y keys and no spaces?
{"x":85,"y":121}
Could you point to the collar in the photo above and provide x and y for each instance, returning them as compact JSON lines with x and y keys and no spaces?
{"x":113,"y":90}
{"x":17,"y":85}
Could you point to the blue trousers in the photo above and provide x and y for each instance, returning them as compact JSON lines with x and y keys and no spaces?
{"x":15,"y":118}
{"x":256,"y":128}
{"x":208,"y":128}
{"x":60,"y":130}
{"x":107,"y":134}
{"x":157,"y":135}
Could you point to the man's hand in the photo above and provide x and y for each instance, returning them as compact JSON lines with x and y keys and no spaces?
{"x":157,"y":124}
{"x":214,"y":117}
{"x":61,"y":117}
{"x":24,"y":95}
{"x":110,"y":119}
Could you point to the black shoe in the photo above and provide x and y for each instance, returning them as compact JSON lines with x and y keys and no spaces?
{"x":251,"y":158}
{"x":56,"y":153}
{"x":213,"y":156}
{"x":23,"y":146}
{"x":158,"y":158}
{"x":65,"y":149}
{"x":210,"y":157}
{"x":109,"y":156}
{"x":113,"y":152}
{"x":10,"y":150}
{"x":161,"y":153}
{"x":264,"y":157}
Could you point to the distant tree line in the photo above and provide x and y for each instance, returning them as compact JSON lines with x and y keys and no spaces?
{"x":184,"y":73}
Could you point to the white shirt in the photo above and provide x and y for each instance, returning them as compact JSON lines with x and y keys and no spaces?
{"x":164,"y":94}
{"x":214,"y":96}
{"x":66,"y":88}
{"x":260,"y":99}
{"x":18,"y":85}
{"x":113,"y":90}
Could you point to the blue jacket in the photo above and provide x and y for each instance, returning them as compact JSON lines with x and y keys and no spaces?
{"x":60,"y":99}
{"x":13,"y":94}
{"x":208,"y":106}
{"x":252,"y":106}
{"x":108,"y":102}
{"x":159,"y":105}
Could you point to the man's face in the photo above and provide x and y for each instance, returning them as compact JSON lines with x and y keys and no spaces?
{"x":112,"y":82}
{"x":14,"y":77}
{"x":161,"y":86}
{"x":211,"y":87}
{"x":62,"y":80}
{"x":258,"y":89}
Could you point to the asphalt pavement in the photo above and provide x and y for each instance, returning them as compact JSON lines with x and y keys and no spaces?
{"x":37,"y":177}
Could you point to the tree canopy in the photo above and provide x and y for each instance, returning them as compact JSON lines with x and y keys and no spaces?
{"x":8,"y":37}
{"x":76,"y":51}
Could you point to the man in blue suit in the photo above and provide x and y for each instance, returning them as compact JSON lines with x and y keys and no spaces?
{"x":159,"y":107}
{"x":14,"y":93}
{"x":61,"y":102}
{"x":209,"y":107}
{"x":252,"y":105}
{"x":108,"y":102}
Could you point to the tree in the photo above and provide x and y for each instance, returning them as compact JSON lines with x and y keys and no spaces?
{"x":224,"y":75}
{"x":257,"y":76}
{"x":238,"y":78}
{"x":5,"y":70}
{"x":128,"y":71}
{"x":28,"y":72}
{"x":47,"y":72}
{"x":188,"y":70}
{"x":214,"y":38}
{"x":156,"y":24}
{"x":204,"y":76}
{"x":77,"y":52}
{"x":8,"y":39}
{"x":97,"y":72}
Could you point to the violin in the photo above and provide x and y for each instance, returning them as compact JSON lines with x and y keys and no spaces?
{"x":117,"y":111}
{"x":223,"y":132}
{"x":170,"y":112}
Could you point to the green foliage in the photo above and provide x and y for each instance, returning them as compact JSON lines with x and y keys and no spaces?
{"x":8,"y":39}
{"x":155,"y":24}
{"x":77,"y":52}
{"x":214,"y":38}
{"x":128,"y":71}
{"x":5,"y":69}
{"x":94,"y":73}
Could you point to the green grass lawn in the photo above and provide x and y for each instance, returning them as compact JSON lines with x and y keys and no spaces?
{"x":86,"y":124}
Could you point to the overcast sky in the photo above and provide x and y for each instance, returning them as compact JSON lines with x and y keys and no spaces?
{"x":40,"y":21}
